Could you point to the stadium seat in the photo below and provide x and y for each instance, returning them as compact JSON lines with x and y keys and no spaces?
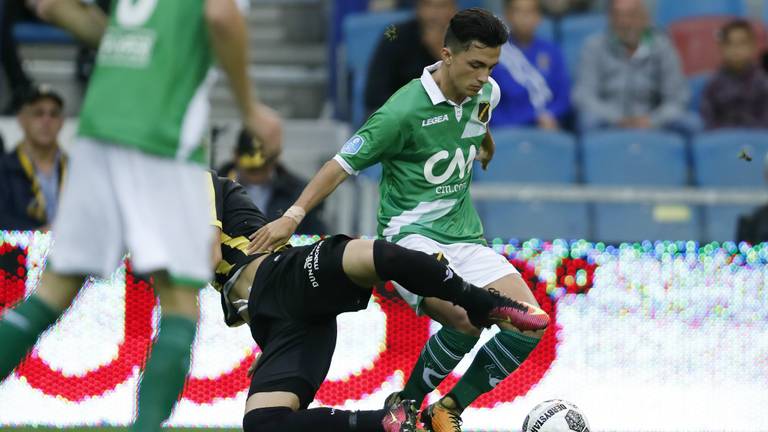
{"x":697,"y":44}
{"x":362,"y":33}
{"x":644,"y":159}
{"x":697,"y":84}
{"x":575,"y":29}
{"x":669,"y":11}
{"x":717,"y":162}
{"x":634,"y":158}
{"x":39,"y":33}
{"x":532,"y":156}
{"x":718,"y":165}
{"x":720,"y":221}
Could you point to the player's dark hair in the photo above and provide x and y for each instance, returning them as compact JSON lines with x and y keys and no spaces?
{"x":475,"y":25}
{"x":735,"y":25}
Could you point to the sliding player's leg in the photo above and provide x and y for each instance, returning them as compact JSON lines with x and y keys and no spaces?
{"x":291,"y":369}
{"x":367,"y":262}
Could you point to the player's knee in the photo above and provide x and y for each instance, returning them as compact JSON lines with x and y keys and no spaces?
{"x":265,"y":419}
{"x":358,"y":262}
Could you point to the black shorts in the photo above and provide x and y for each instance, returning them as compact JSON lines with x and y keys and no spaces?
{"x":295,"y":298}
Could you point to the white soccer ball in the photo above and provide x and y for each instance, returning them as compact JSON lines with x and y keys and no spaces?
{"x":555,"y":416}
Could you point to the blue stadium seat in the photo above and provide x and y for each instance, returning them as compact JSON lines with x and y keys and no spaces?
{"x":668,"y":11}
{"x":721,"y":221}
{"x":575,"y":31}
{"x":643,"y":158}
{"x":717,"y":162}
{"x":697,"y":84}
{"x":639,"y":158}
{"x":362,"y":33}
{"x":38,"y":33}
{"x":532,"y":156}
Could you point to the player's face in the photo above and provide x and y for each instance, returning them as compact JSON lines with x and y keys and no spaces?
{"x":41,"y":122}
{"x":469,"y":70}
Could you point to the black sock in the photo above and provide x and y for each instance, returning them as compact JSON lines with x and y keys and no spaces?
{"x":282,"y":419}
{"x":424,"y":275}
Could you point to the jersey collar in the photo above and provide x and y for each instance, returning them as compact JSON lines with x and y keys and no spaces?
{"x":430,"y":86}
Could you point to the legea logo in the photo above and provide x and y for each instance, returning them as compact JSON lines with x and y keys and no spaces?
{"x":463,"y":164}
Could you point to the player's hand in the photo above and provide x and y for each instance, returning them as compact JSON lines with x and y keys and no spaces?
{"x":272,"y":235}
{"x":265,"y":125}
{"x":254,"y":365}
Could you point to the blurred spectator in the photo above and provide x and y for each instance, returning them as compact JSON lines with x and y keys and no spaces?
{"x":737,"y":96}
{"x":31,"y":176}
{"x":269,"y":184}
{"x":402,"y":55}
{"x":535,"y":88}
{"x":565,"y":7}
{"x":630,"y":76}
{"x":754,"y":228}
{"x":19,"y":82}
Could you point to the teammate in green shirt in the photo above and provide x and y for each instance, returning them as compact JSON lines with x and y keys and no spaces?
{"x":135,"y":181}
{"x":426,"y":136}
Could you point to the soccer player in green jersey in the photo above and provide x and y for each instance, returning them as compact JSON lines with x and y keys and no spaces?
{"x":136,"y":182}
{"x":290,"y":299}
{"x":426,"y":137}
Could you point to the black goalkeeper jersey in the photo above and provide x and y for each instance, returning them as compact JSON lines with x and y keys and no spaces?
{"x":238,"y":217}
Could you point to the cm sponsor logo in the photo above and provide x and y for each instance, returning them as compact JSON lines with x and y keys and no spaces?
{"x":459,"y":161}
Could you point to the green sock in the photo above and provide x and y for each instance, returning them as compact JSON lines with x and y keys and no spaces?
{"x":165,"y":373}
{"x":19,"y":329}
{"x":498,"y":358}
{"x":442,"y":352}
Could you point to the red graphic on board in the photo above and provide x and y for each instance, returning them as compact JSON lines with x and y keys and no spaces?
{"x":405,"y":335}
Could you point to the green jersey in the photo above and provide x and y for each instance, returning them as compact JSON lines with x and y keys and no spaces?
{"x":426,"y":145}
{"x":149,"y":88}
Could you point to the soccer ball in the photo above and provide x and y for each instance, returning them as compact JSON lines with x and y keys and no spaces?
{"x":555,"y":416}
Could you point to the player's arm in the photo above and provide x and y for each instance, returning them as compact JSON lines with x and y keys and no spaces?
{"x":488,"y":146}
{"x":379,"y":139}
{"x":278,"y":232}
{"x":229,"y":41}
{"x":487,"y":149}
{"x":86,"y":22}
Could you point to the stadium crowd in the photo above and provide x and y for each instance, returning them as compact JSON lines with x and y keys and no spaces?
{"x":576,"y":67}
